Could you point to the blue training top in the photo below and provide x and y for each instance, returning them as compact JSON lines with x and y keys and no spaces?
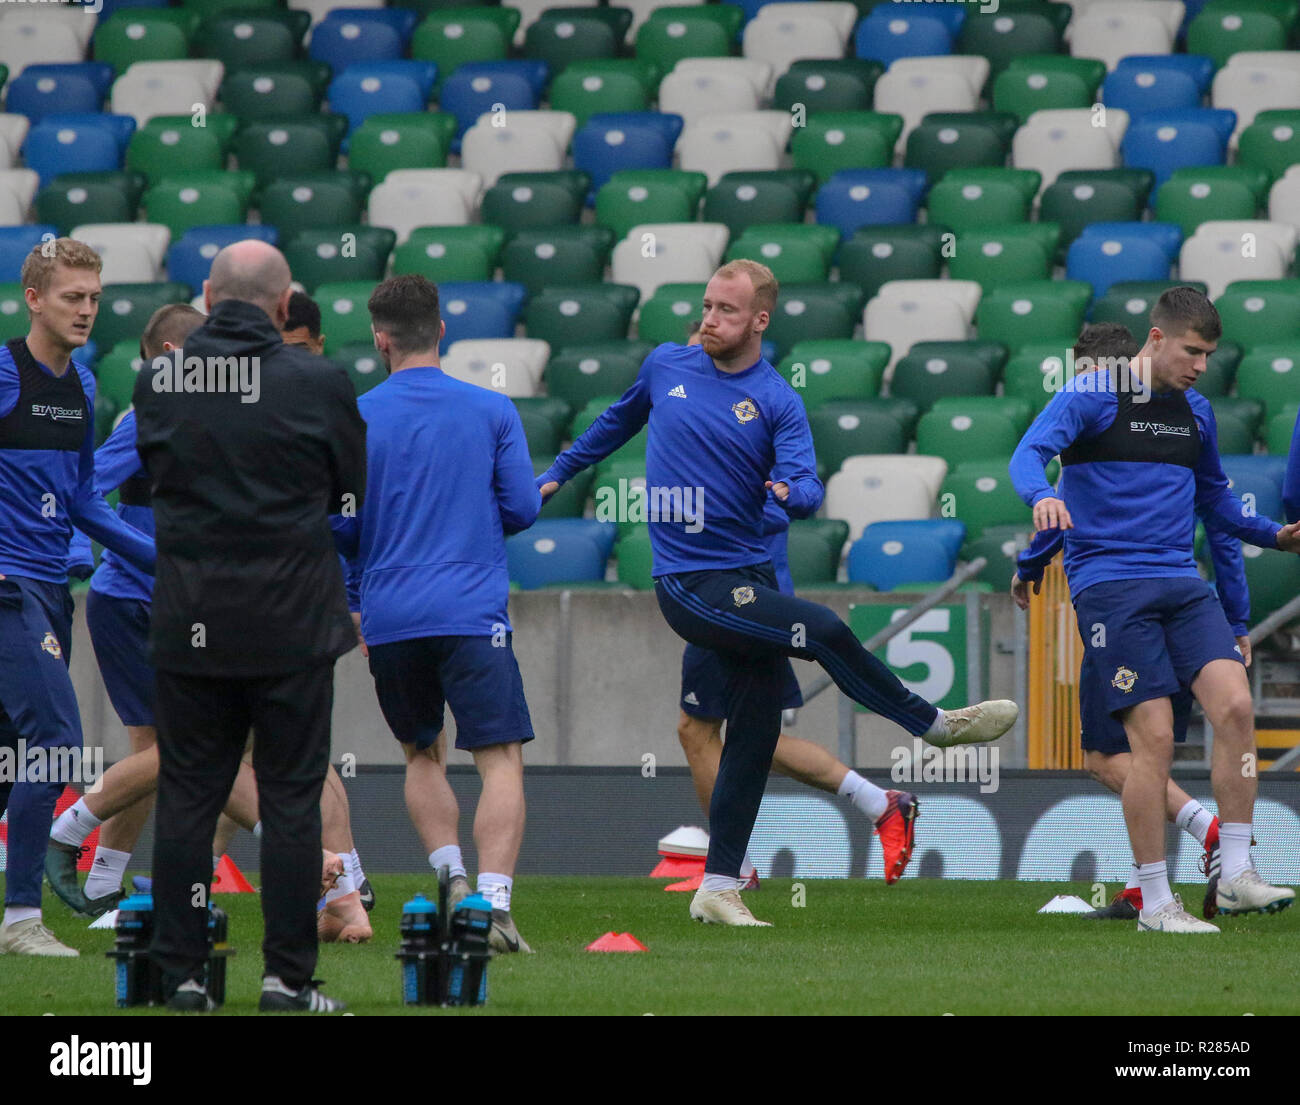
{"x":715,"y":438}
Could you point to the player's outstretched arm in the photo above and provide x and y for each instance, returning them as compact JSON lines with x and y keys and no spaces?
{"x":1216,"y":503}
{"x":1291,"y":484}
{"x":1070,"y":415}
{"x":794,"y":483}
{"x":518,"y":499}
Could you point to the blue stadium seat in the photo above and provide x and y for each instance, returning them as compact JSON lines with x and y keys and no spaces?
{"x":1104,"y":259}
{"x":1261,"y":477}
{"x":401,"y":19}
{"x":895,"y":31}
{"x":359,"y":93}
{"x":535,"y":71}
{"x":1163,"y":141}
{"x":601,"y":150}
{"x":861,"y":197}
{"x":1139,"y":91}
{"x":111,"y":7}
{"x":77,"y":143}
{"x":479,"y":310}
{"x":952,"y":16}
{"x":560,"y":550}
{"x":467,"y":95}
{"x":1197,"y":66}
{"x":190,"y":257}
{"x":16,"y":242}
{"x":1168,"y":236}
{"x":887,"y":558}
{"x":424,"y":73}
{"x":349,"y":35}
{"x":99,"y":73}
{"x":39,"y":96}
{"x":670,"y":126}
{"x":948,"y":531}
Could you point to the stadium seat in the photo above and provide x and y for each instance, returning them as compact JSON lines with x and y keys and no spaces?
{"x":999,"y":545}
{"x":169,"y":145}
{"x":402,"y":141}
{"x":515,"y":203}
{"x":306,"y":143}
{"x":473,"y":310}
{"x":793,"y":258}
{"x":584,"y":90}
{"x":1024,"y":90}
{"x":1217,"y":259}
{"x":554,"y":552}
{"x":673,"y":33}
{"x":564,"y":317}
{"x":75,"y":198}
{"x":813,"y":549}
{"x":490,"y":150}
{"x":1021,"y":314}
{"x":144,"y":34}
{"x":846,"y":428}
{"x":912,"y":93}
{"x":602,"y":148}
{"x":964,"y":293}
{"x":813,"y":311}
{"x":825,"y":371}
{"x":557,"y":255}
{"x":189,"y":258}
{"x":1103,"y":260}
{"x":1111,"y":30}
{"x":980,"y":494}
{"x":16,"y":242}
{"x":1163,"y":141}
{"x":345,"y":319}
{"x":896,"y":31}
{"x":13,"y":309}
{"x":42,"y":90}
{"x":667,"y":314}
{"x":350,"y":35}
{"x":635,"y":559}
{"x":1220,"y":31}
{"x":186,"y":200}
{"x":744,"y":199}
{"x":441,"y":253}
{"x":629,"y":199}
{"x":340,"y":253}
{"x":310,"y":201}
{"x":1074,"y":204}
{"x":926,"y":377}
{"x":1053,"y":142}
{"x":125,"y":308}
{"x":453,"y":36}
{"x":1129,"y":303}
{"x":358,"y":93}
{"x":781,"y":34}
{"x":1257,"y":480}
{"x":545,"y":420}
{"x":512,"y":366}
{"x":1271,"y":374}
{"x":1193,"y":196}
{"x":252,"y":38}
{"x":409,"y":198}
{"x":1281,"y":429}
{"x":116,"y":372}
{"x":1246,"y":89}
{"x":969,"y":431}
{"x":827,"y":84}
{"x":1035,"y":374}
{"x":901,"y":323}
{"x":999,"y":256}
{"x":877,"y":255}
{"x":888,"y":556}
{"x":936,"y":146}
{"x":481,"y":89}
{"x":857,"y":198}
{"x":272,"y":91}
{"x":21,"y":186}
{"x":1284,"y":198}
{"x":837,"y":140}
{"x":883,"y":488}
{"x":1004,"y":36}
{"x":76,"y":144}
{"x":971,"y":205}
{"x":1138,"y":90}
{"x":1271,"y":143}
{"x":362,"y":363}
{"x":1197,"y":66}
{"x":132,"y":253}
{"x":150,"y":88}
{"x":574,"y":35}
{"x":582,"y":373}
{"x":692,"y":91}
{"x":716,"y":149}
{"x":679,"y":253}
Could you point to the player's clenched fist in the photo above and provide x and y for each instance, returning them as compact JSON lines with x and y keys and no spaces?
{"x":549,"y":489}
{"x":1288,"y":538}
{"x":780,"y":490}
{"x":1050,"y":513}
{"x":1020,"y":590}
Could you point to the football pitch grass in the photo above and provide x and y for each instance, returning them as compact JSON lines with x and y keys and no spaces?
{"x":923,"y":947}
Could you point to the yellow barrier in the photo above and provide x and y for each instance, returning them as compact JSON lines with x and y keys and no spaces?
{"x":1055,"y":653}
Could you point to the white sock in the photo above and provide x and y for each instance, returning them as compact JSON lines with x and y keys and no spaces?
{"x":937,"y":727}
{"x":864,"y":794}
{"x":496,"y":889}
{"x":719,"y":882}
{"x":747,"y":868}
{"x":216,"y":862}
{"x":74,"y":824}
{"x":1156,"y":890}
{"x":341,"y":888}
{"x":1133,"y":882}
{"x":448,"y":856}
{"x":352,"y":865}
{"x":16,"y":913}
{"x":1195,"y":819}
{"x":106,"y":872}
{"x":257,"y":830}
{"x":1234,"y":849}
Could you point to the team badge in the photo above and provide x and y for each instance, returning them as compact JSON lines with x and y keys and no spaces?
{"x":745,"y":411}
{"x":742,"y":596}
{"x":50,"y":644}
{"x":1124,"y":679}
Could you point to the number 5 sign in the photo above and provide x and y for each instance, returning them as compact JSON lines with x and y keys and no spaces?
{"x":929,"y":656}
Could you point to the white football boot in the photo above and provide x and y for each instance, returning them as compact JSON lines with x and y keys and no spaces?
{"x":978,"y":724}
{"x":723,"y":907}
{"x":30,"y":937}
{"x":1249,"y":893}
{"x":1172,"y":917}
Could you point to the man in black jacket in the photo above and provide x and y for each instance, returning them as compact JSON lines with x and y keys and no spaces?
{"x":250,"y":445}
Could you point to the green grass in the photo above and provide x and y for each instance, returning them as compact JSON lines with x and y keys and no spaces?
{"x":921,"y":947}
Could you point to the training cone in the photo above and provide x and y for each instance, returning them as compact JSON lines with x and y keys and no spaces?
{"x":675,"y":867}
{"x":682,"y":853}
{"x":227,"y":879}
{"x":689,"y":884}
{"x":617,"y":942}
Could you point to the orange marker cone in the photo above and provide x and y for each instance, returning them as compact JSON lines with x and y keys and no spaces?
{"x":617,"y":942}
{"x":676,"y":867}
{"x":228,"y":879}
{"x":690,"y":884}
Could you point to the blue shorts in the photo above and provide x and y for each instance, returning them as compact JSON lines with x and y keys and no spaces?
{"x":704,"y":685}
{"x":1104,"y":733}
{"x":1145,"y":639}
{"x":480,"y":681}
{"x":37,"y":702}
{"x":119,"y":632}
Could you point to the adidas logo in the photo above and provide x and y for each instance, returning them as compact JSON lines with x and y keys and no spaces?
{"x":691,"y":700}
{"x":679,"y":392}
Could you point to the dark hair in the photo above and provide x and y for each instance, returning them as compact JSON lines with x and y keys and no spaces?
{"x":406,"y":309}
{"x":1181,"y":309}
{"x":173,"y":322}
{"x":1105,"y":339}
{"x":693,"y":329}
{"x":303,"y":312}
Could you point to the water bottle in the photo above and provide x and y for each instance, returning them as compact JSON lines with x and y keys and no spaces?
{"x":471,"y":922}
{"x":419,"y":952}
{"x":218,"y":951}
{"x":139,"y":981}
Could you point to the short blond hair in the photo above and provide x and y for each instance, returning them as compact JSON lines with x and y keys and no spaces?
{"x":44,"y":259}
{"x":760,"y":276}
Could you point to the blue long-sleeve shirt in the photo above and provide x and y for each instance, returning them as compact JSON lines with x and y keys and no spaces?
{"x":448,"y":479}
{"x":45,"y":493}
{"x":715,"y":438}
{"x":1132,"y":519}
{"x":1291,"y":484}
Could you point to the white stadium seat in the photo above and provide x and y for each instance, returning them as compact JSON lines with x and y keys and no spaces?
{"x":973,"y":67}
{"x":29,"y":36}
{"x":890,"y":492}
{"x":133,"y":253}
{"x":491,"y":151}
{"x":207,"y":72}
{"x":12,"y":212}
{"x":965,"y":293}
{"x":684,"y":253}
{"x":714,"y":150}
{"x":560,"y":125}
{"x":791,"y":35}
{"x":1055,"y":141}
{"x":408,"y":198}
{"x":512,"y":366}
{"x":150,"y":88}
{"x":642,"y":10}
{"x":1111,"y":31}
{"x":904,"y":321}
{"x":1250,"y":89}
{"x":693,"y":94}
{"x":914,"y":93}
{"x":779,"y":124}
{"x":13,"y":132}
{"x":932,"y":470}
{"x":758,"y":73}
{"x":839,"y":14}
{"x":1284,"y":198}
{"x":1218,"y":259}
{"x":21,"y":184}
{"x":1282,"y":234}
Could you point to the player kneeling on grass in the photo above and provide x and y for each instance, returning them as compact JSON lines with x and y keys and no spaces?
{"x":1106,"y":752}
{"x":725,"y":427}
{"x":449,"y":478}
{"x":1139,"y":452}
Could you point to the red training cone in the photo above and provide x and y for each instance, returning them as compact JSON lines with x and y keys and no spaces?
{"x":689,"y":884}
{"x":227,"y":879}
{"x":677,"y":867}
{"x":617,"y":942}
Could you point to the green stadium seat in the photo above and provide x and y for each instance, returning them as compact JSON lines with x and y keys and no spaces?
{"x":1271,"y":142}
{"x":814,"y":548}
{"x":168,"y":145}
{"x":1280,"y":430}
{"x":796,"y":253}
{"x":1039,"y":311}
{"x":668,"y":314}
{"x":632,"y":450}
{"x":206,"y":9}
{"x":628,"y":200}
{"x":844,"y":428}
{"x":124,"y":309}
{"x":876,"y":255}
{"x":1016,"y":410}
{"x":582,"y":373}
{"x":452,"y":36}
{"x":938,"y":147}
{"x":925,"y":377}
{"x":1254,"y":316}
{"x":557,"y":255}
{"x":966,"y":434}
{"x":339,"y":254}
{"x":241,"y":39}
{"x":13,"y":312}
{"x":673,"y":33}
{"x":4,"y":76}
{"x":583,"y":91}
{"x":361,"y":360}
{"x":1235,"y":435}
{"x":826,"y":371}
{"x":835,"y":140}
{"x":106,"y":412}
{"x":1010,"y":34}
{"x":742,"y":200}
{"x":400,"y":141}
{"x":303,"y":143}
{"x":570,"y":500}
{"x":1035,"y":374}
{"x":311,"y":201}
{"x":570,"y":37}
{"x":980,"y":495}
{"x":1226,"y":28}
{"x":1249,"y":412}
{"x":992,"y":353}
{"x":563,"y":317}
{"x":1271,"y":374}
{"x":1129,"y":303}
{"x":635,"y":558}
{"x":545,"y":419}
{"x":1024,"y":90}
{"x":144,"y":34}
{"x":116,"y":372}
{"x":74,"y":199}
{"x":1220,"y":370}
{"x":275,"y":91}
{"x":1272,"y":578}
{"x":1190,"y":197}
{"x":344,"y":316}
{"x":999,"y":545}
{"x":829,"y":84}
{"x":808,"y":311}
{"x":515,"y":205}
{"x":442,"y":253}
{"x":1001,"y":255}
{"x":616,"y":470}
{"x":970,"y":205}
{"x":1075,"y":204}
{"x":1027,"y":180}
{"x":205,"y":198}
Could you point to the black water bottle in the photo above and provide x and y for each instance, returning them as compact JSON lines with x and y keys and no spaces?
{"x":219,"y":950}
{"x":471,"y":922}
{"x":139,"y":981}
{"x":419,"y":952}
